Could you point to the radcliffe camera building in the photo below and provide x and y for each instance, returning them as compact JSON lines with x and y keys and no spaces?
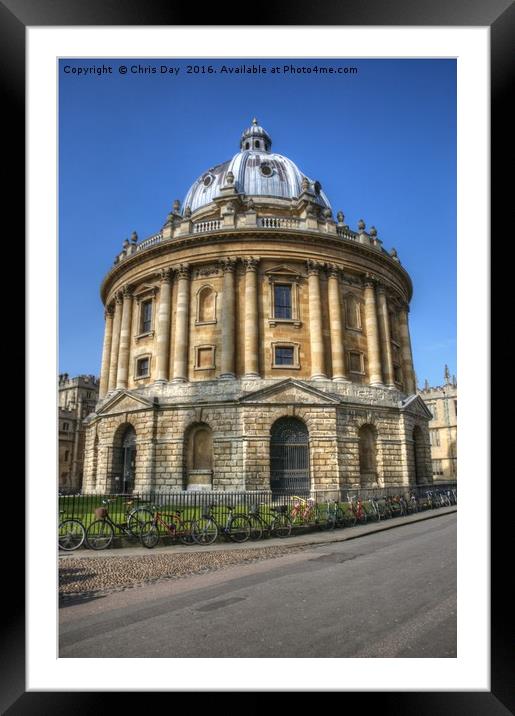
{"x":256,"y":342}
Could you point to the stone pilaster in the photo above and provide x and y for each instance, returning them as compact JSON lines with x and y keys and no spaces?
{"x":315,"y":322}
{"x":228,"y":319}
{"x":125,"y":338}
{"x":384,"y":334}
{"x":106,"y":351}
{"x":251,"y":318}
{"x":115,"y":343}
{"x":180,"y":355}
{"x":374,"y":350}
{"x":406,"y":354}
{"x":163,"y":326}
{"x":336,"y":325}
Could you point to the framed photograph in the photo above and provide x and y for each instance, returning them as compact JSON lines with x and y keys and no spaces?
{"x":124,"y":138}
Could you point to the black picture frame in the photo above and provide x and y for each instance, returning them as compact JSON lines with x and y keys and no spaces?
{"x":499,"y":16}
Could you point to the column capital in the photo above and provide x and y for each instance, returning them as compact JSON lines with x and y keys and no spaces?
{"x":334,"y":271}
{"x":370,"y":281}
{"x":228,"y":264}
{"x":108,"y":310}
{"x":313,"y":267}
{"x":181,"y":271}
{"x":118,"y":296}
{"x":126,"y":291}
{"x":165,"y":275}
{"x":250,"y":263}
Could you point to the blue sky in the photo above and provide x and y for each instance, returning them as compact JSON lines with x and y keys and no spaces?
{"x":382,"y":142}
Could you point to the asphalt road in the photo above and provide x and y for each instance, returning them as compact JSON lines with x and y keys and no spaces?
{"x":389,"y":594}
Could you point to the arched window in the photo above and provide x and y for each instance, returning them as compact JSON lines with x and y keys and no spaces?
{"x":352,"y":312}
{"x":199,"y":457}
{"x":206,"y":305}
{"x":247,"y":145}
{"x":123,"y":467}
{"x":257,"y":144}
{"x":367,"y":455}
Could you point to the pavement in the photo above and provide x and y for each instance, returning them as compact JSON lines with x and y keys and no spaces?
{"x":295,"y":541}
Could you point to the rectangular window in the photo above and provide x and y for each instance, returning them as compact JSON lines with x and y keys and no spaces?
{"x":282,"y":301}
{"x":66,"y":427}
{"x":397,"y":374}
{"x":142,"y":367}
{"x":456,"y":408}
{"x":437,"y":467}
{"x":284,"y":355}
{"x":355,"y":362}
{"x":435,"y":437}
{"x":146,"y":317}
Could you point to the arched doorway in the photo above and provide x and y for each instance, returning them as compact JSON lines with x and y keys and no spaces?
{"x":289,"y":456}
{"x":124,"y":460}
{"x":418,"y":456}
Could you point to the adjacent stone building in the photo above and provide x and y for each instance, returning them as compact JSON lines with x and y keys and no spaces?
{"x":77,"y":399}
{"x":256,"y":342}
{"x":442,"y":402}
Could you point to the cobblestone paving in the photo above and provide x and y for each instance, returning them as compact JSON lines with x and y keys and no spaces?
{"x":98,"y":574}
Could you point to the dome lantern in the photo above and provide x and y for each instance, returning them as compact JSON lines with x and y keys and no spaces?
{"x":255,"y":138}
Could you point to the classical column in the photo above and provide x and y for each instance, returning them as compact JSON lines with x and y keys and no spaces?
{"x":315,"y":322}
{"x":407,"y":358}
{"x":386,"y":339}
{"x":106,"y":351}
{"x":228,"y":322}
{"x":181,"y":344}
{"x":374,"y":350}
{"x":336,"y":325}
{"x":251,"y":319}
{"x":163,"y":326}
{"x":125,"y":340}
{"x":115,"y":343}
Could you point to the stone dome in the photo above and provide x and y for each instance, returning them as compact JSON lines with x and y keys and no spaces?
{"x":257,"y":172}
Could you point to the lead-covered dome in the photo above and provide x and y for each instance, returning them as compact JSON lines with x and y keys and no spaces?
{"x":257,"y":172}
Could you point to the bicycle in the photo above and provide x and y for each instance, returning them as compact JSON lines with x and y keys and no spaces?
{"x":206,"y":529}
{"x":302,"y":511}
{"x":100,"y":533}
{"x":357,"y":511}
{"x":279,"y":526}
{"x":71,"y":533}
{"x":173,"y":524}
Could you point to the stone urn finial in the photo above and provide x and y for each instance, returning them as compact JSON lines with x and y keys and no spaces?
{"x":176,"y":206}
{"x":187,"y":212}
{"x":373,"y":232}
{"x":305,"y":184}
{"x":341,"y":217}
{"x":126,"y":243}
{"x":393,"y":254}
{"x":327,"y":213}
{"x":134,"y":237}
{"x":361,"y":225}
{"x":229,"y":178}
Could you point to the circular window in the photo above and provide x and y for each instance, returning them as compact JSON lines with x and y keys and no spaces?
{"x":266,"y":170}
{"x":318,"y":188}
{"x":208,"y":180}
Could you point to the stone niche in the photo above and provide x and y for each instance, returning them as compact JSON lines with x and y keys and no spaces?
{"x":199,"y":457}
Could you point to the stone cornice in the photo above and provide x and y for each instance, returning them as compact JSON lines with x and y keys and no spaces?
{"x":304,"y":241}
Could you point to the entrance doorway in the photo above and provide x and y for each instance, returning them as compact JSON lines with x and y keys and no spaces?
{"x":289,"y":456}
{"x":128,"y":460}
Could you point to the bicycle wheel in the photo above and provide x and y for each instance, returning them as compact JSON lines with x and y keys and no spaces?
{"x":185,"y":532}
{"x":362,"y":518}
{"x":149,"y":534}
{"x":137,"y":519}
{"x":71,"y":534}
{"x":99,"y":534}
{"x":239,"y":528}
{"x":328,"y":521}
{"x":350,"y":519}
{"x":204,"y":531}
{"x":256,"y":527}
{"x":281,"y":526}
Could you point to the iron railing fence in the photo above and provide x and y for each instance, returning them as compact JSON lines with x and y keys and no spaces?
{"x":193,"y":503}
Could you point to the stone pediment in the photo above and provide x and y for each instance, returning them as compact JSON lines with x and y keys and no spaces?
{"x":416,"y":405}
{"x":283,"y":270}
{"x":125,"y":402}
{"x":290,"y":391}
